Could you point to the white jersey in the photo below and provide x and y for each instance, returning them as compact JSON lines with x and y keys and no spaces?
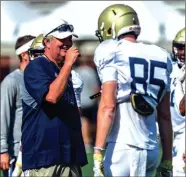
{"x":180,"y":87}
{"x":178,"y":121}
{"x":137,"y":68}
{"x":78,"y":86}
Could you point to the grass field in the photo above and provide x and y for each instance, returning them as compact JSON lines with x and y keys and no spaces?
{"x":1,"y":173}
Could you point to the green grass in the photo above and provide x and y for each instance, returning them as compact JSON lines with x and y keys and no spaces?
{"x":87,"y":170}
{"x":1,"y":173}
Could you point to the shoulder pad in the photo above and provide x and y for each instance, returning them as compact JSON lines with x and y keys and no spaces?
{"x":105,"y":51}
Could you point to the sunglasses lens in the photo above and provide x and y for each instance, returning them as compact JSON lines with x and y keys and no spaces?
{"x":65,"y":28}
{"x":71,"y":28}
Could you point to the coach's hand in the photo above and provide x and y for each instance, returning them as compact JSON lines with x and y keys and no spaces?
{"x":98,"y":165}
{"x":71,"y":55}
{"x":164,"y":169}
{"x":4,"y":161}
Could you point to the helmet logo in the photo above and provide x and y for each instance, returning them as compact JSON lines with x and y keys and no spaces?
{"x":113,"y":30}
{"x":102,"y":26}
{"x":114,"y":12}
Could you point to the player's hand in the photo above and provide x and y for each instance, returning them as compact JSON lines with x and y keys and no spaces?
{"x":164,"y":169}
{"x":4,"y":161}
{"x":98,"y":165}
{"x":182,"y":106}
{"x":71,"y":55}
{"x":17,"y":171}
{"x":184,"y":157}
{"x":183,"y":74}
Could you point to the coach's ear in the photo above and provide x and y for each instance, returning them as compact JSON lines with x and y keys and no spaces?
{"x":47,"y":40}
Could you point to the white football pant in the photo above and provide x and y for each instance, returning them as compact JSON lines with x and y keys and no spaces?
{"x":130,"y":161}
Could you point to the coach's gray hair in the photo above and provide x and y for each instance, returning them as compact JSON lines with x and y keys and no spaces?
{"x":48,"y":38}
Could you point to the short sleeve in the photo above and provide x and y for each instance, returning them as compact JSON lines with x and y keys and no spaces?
{"x":104,"y":59}
{"x":37,"y":80}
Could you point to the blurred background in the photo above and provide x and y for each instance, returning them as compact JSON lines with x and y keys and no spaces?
{"x":160,"y":21}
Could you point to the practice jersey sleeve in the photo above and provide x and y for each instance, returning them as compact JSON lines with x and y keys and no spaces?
{"x":104,"y":59}
{"x":78,"y":86}
{"x":169,"y":71}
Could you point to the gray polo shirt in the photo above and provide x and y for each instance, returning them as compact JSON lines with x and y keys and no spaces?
{"x":11,"y":113}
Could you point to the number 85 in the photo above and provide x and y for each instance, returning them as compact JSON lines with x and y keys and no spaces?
{"x":148,"y":77}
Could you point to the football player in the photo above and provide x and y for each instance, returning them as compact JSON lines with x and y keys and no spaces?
{"x":177,"y":92}
{"x":135,"y":87}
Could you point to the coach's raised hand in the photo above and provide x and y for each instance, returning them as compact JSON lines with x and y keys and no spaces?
{"x":71,"y":55}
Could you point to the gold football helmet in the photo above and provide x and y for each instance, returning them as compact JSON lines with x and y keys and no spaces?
{"x":178,"y":47}
{"x":116,"y":20}
{"x":37,"y":47}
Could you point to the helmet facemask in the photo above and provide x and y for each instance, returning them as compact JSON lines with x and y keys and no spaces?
{"x":98,"y":34}
{"x":178,"y":47}
{"x":34,"y":52}
{"x":179,"y":53}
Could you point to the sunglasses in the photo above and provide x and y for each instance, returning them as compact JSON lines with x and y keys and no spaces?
{"x":62,"y":28}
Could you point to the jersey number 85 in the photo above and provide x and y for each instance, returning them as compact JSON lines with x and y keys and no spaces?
{"x":147,"y":77}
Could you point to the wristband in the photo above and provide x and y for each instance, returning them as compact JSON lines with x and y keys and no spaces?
{"x":99,"y":149}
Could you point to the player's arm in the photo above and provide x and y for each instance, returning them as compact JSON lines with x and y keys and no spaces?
{"x":105,"y":113}
{"x":105,"y":118}
{"x":105,"y":62}
{"x":107,"y":71}
{"x":165,"y":126}
{"x":166,"y":133}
